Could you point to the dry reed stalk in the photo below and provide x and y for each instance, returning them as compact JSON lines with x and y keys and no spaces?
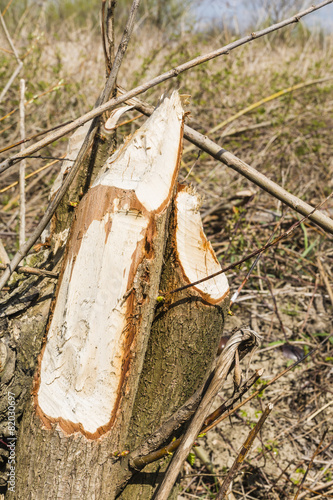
{"x":22,"y":165}
{"x":19,"y":62}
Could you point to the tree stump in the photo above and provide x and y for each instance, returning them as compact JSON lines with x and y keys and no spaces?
{"x":116,"y":363}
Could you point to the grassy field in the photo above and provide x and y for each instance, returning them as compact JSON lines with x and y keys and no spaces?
{"x":288,"y":297}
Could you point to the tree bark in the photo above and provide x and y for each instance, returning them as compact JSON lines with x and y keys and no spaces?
{"x":98,"y":392}
{"x":183,"y":341}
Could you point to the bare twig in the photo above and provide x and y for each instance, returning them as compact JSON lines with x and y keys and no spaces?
{"x":108,"y":32}
{"x":247,"y":171}
{"x":110,"y":28}
{"x":257,"y":178}
{"x":106,"y":55}
{"x":22,"y":165}
{"x":33,"y":270}
{"x":19,"y":62}
{"x":325,"y":279}
{"x":112,"y":103}
{"x":221,"y":372}
{"x":244,"y":451}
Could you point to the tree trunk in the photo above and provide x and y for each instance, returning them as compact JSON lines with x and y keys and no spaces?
{"x":98,"y":391}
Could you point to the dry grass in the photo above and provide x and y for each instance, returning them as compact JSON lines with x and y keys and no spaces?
{"x":289,"y":140}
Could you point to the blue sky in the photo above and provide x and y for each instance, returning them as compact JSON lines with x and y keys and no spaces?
{"x":241,"y":12}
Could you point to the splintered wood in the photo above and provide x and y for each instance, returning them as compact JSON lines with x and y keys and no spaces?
{"x":195,"y":254}
{"x":93,"y":337}
{"x":94,"y":350}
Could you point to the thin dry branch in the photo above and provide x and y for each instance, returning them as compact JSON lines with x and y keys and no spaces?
{"x":19,"y":62}
{"x":112,"y":103}
{"x":244,"y":451}
{"x":22,"y":165}
{"x":246,"y":170}
{"x":259,"y":179}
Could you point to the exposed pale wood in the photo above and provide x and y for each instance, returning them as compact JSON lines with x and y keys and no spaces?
{"x":195,"y":253}
{"x":82,"y":373}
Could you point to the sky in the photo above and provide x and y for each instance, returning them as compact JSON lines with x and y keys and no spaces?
{"x":241,"y":12}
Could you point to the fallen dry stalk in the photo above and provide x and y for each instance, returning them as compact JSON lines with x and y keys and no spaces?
{"x":222,"y":369}
{"x":246,"y":170}
{"x":243,"y":452}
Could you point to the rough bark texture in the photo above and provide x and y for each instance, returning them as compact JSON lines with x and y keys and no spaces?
{"x":23,"y":317}
{"x":183,"y":342}
{"x":182,"y":345}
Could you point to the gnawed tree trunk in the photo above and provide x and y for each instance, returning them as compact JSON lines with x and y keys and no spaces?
{"x":184,"y":336}
{"x":82,"y":412}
